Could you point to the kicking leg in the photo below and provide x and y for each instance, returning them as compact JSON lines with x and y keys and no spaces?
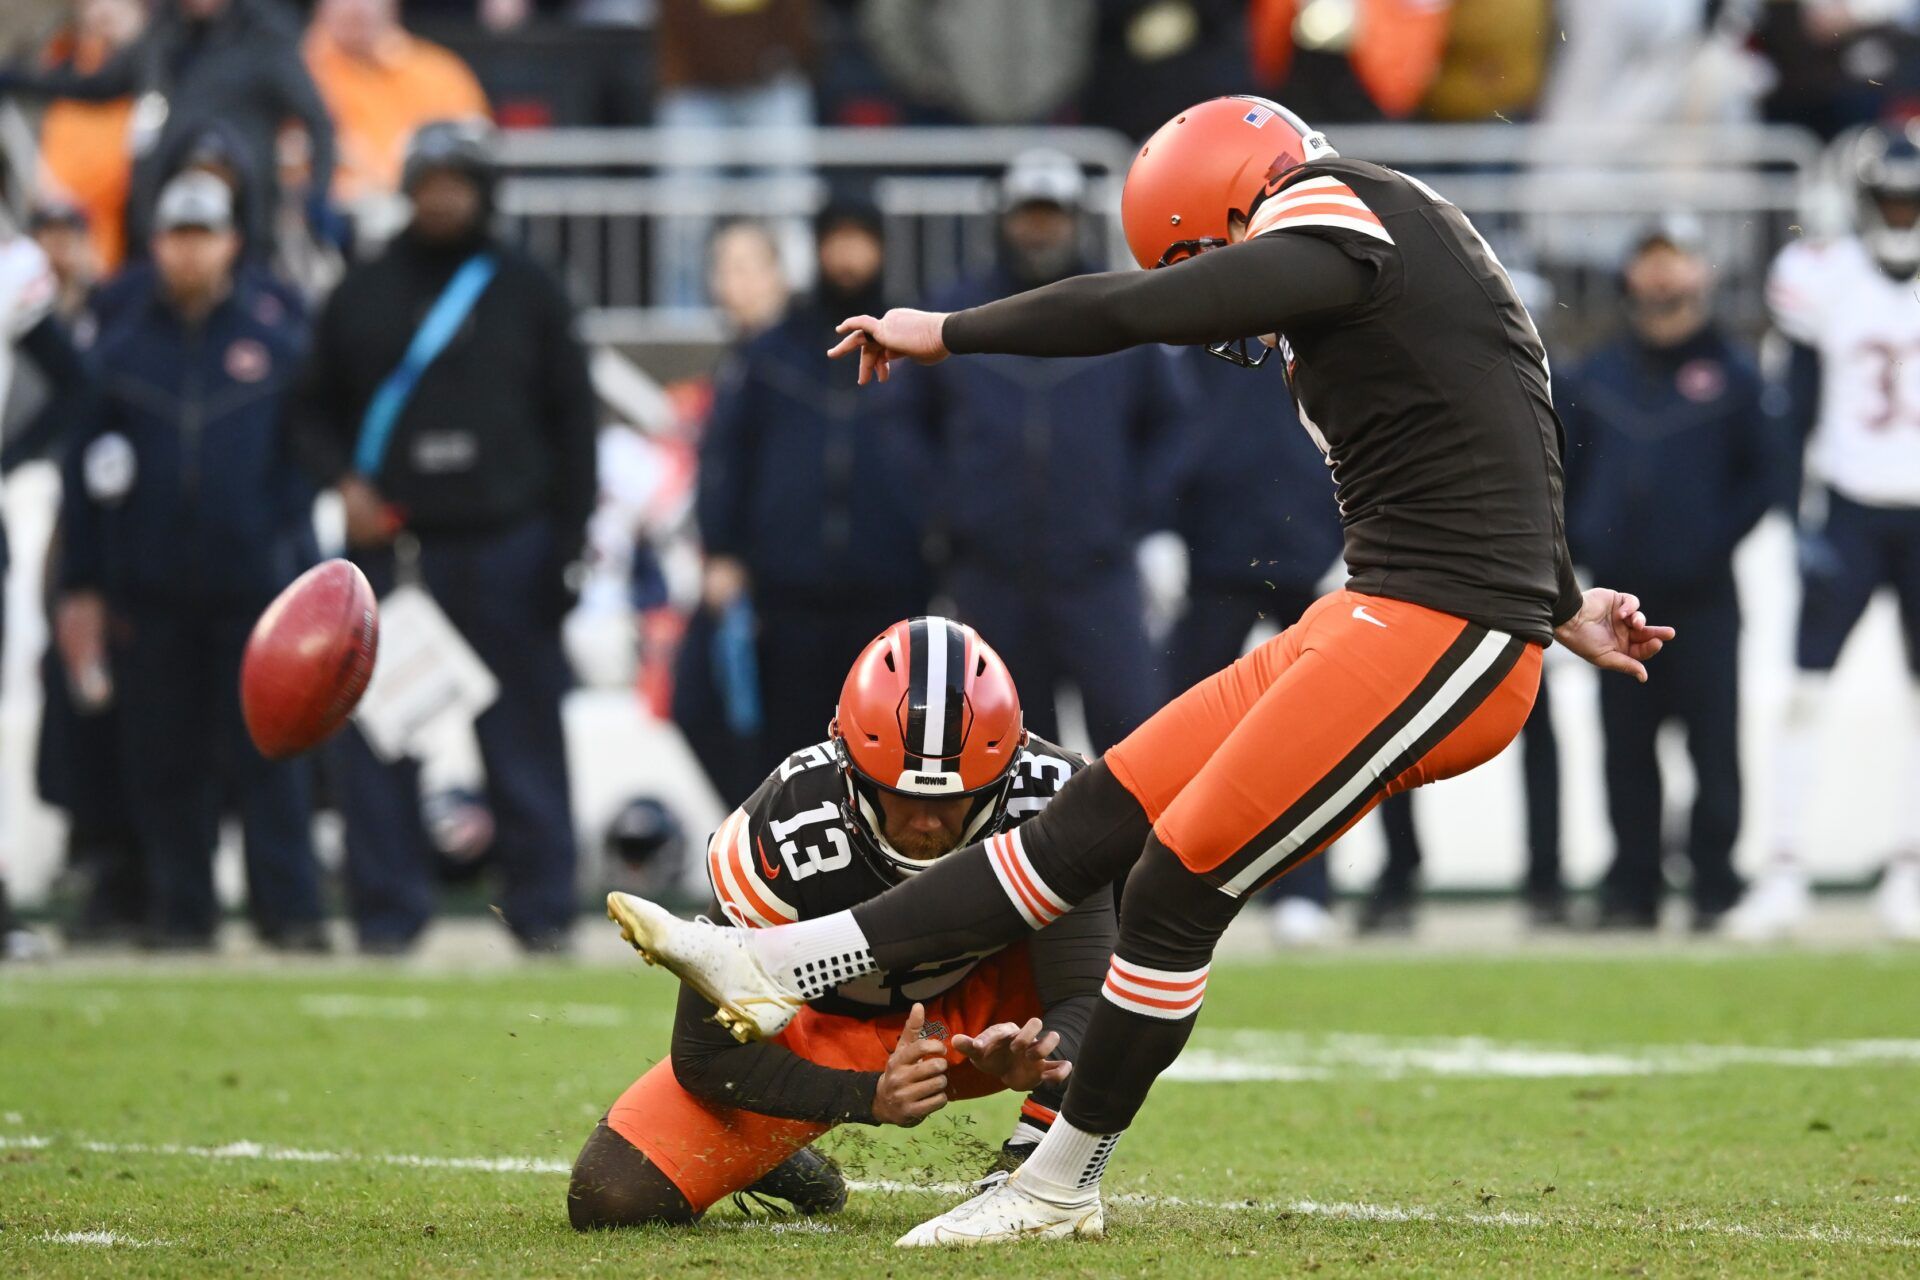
{"x":1359,"y":715}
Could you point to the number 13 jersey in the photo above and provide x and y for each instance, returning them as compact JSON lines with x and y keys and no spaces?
{"x":790,"y":853}
{"x":1865,"y":326}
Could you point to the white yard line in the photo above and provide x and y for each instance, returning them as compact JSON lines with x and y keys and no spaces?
{"x":1352,"y":1211}
{"x":1223,"y":1056}
{"x":113,"y":1238}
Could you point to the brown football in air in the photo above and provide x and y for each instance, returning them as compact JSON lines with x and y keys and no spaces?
{"x":309,"y":659}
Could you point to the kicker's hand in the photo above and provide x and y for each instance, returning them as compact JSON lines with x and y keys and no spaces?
{"x":914,"y":1085}
{"x":902,"y":332}
{"x":1612,"y":633}
{"x":1016,"y":1056}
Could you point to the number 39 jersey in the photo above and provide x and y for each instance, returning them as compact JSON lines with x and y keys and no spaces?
{"x":789,"y":853}
{"x":1865,"y":325}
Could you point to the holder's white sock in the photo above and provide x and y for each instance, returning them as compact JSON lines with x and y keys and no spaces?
{"x":1066,"y":1167}
{"x":814,"y":956}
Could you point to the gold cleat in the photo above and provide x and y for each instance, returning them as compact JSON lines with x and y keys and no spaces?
{"x":715,"y":961}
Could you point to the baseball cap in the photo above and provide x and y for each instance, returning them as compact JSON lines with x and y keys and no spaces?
{"x":1680,"y":231}
{"x":194,"y":199}
{"x":1043,"y":176}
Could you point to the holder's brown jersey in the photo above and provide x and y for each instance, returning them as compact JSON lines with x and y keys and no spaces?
{"x":1412,"y":362}
{"x":789,"y":853}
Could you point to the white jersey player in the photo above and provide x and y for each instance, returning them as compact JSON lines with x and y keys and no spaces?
{"x":27,"y":291}
{"x":1851,"y":309}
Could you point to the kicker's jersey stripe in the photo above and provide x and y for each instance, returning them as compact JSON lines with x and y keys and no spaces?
{"x":1318,"y":202}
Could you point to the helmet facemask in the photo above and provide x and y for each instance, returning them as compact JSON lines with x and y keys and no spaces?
{"x":861,"y":806}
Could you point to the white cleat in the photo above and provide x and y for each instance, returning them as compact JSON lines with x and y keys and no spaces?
{"x":1776,"y":907}
{"x":1300,"y":922}
{"x":1008,"y":1212}
{"x":715,"y":961}
{"x":1897,"y":900}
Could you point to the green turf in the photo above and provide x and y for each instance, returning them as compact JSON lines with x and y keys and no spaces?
{"x":1748,"y":1170}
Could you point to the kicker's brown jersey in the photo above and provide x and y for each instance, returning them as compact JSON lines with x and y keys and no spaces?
{"x":789,"y":853}
{"x":1410,"y":358}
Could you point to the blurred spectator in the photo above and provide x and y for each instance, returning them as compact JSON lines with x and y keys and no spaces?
{"x":1494,"y":62}
{"x":1258,"y":516}
{"x":380,"y":82}
{"x":29,"y":328}
{"x":447,"y":399}
{"x":721,"y":64}
{"x":1051,"y":473}
{"x":1157,"y":57}
{"x":1840,"y":63}
{"x":810,"y":506}
{"x":1644,"y":63}
{"x":200,"y":61}
{"x":215,"y":150}
{"x":1348,"y":60}
{"x":183,"y":516}
{"x":77,"y":757}
{"x":745,"y":278}
{"x":1846,"y":307}
{"x":985,"y":61}
{"x":62,"y":232}
{"x":1670,"y":464}
{"x":84,"y":146}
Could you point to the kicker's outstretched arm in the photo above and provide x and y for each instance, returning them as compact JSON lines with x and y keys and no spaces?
{"x":1241,"y":291}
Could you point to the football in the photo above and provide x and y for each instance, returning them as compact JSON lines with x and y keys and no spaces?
{"x":309,"y":659}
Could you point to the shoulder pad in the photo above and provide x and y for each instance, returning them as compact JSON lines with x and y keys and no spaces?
{"x":739,"y":881}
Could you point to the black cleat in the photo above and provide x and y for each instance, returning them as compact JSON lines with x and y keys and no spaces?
{"x":807,"y":1180}
{"x":1010,"y":1157}
{"x":1388,"y":911}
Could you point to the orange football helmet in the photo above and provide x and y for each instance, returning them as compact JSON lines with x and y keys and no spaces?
{"x":928,"y":710}
{"x":1211,"y":164}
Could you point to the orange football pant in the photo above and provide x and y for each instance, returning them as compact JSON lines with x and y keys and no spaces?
{"x":709,"y":1152}
{"x":1267,"y":762}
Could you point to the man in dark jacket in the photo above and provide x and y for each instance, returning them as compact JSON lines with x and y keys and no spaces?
{"x":810,"y":494}
{"x":1671,"y":460}
{"x":202,"y":61}
{"x":183,"y":516}
{"x":1051,"y":471}
{"x":447,"y":399}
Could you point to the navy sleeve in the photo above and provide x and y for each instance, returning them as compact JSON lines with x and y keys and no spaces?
{"x":52,"y":352}
{"x":723,"y":502}
{"x":1069,"y":960}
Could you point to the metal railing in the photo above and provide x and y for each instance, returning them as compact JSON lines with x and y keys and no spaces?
{"x":1559,"y":203}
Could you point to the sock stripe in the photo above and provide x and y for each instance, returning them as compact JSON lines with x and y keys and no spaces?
{"x":1018,"y":848}
{"x":1155,"y":993}
{"x":1027,"y":900}
{"x":1031,"y":1110}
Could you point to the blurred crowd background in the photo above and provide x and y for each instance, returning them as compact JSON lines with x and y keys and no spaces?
{"x":523,"y":305}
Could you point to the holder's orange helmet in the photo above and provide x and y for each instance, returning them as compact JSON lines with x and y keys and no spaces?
{"x":1208,"y":164}
{"x":928,"y":710}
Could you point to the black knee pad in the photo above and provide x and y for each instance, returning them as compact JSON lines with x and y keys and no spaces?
{"x":615,"y":1185}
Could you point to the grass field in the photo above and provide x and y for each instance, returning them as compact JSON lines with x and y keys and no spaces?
{"x":1350,"y":1114}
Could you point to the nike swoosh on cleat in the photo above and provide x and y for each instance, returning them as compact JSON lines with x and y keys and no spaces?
{"x":1360,"y":612}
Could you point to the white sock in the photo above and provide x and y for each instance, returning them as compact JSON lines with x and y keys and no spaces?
{"x":814,"y":956}
{"x":1066,"y":1167}
{"x":1795,"y":758}
{"x":1026,"y":1134}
